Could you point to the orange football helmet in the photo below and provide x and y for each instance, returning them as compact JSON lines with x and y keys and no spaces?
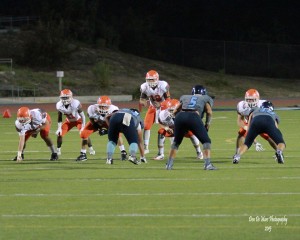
{"x":252,"y":98}
{"x":104,"y":103}
{"x":152,"y":78}
{"x":23,"y":115}
{"x":164,"y":104}
{"x":172,"y":105}
{"x":66,"y":96}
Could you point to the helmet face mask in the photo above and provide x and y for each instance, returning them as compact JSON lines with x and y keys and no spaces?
{"x":104,"y":103}
{"x":172,"y":104}
{"x":252,"y":98}
{"x":152,"y":78}
{"x":66,"y":96}
{"x":199,"y":89}
{"x":23,"y":115}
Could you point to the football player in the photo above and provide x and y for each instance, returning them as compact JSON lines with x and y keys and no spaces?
{"x":153,"y":93}
{"x":188,"y":117}
{"x":30,"y":123}
{"x":75,"y":117}
{"x":252,"y":99}
{"x":166,"y":121}
{"x":128,"y":122}
{"x":97,"y":113}
{"x":263,"y":119}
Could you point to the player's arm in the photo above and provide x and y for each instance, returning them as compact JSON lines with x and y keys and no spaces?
{"x":177,"y":109}
{"x":141,"y":140}
{"x":144,"y":100}
{"x":167,"y":95}
{"x":81,"y":113}
{"x":20,"y":147}
{"x":240,"y":121}
{"x":166,"y":128}
{"x":208,"y":117}
{"x":59,"y":124}
{"x":108,"y":116}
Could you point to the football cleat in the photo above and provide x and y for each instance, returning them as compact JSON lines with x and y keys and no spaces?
{"x":81,"y":158}
{"x":199,"y":155}
{"x":159,"y":157}
{"x":16,"y":157}
{"x":169,"y":165}
{"x":123,"y":155}
{"x":143,"y":160}
{"x":279,"y":157}
{"x":209,"y":167}
{"x":54,"y":157}
{"x":236,"y":159}
{"x":109,"y":161}
{"x":133,"y":160}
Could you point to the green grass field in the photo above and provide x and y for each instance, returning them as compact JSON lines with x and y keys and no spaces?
{"x":91,"y":200}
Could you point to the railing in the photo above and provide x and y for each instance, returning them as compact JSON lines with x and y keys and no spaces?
{"x":11,"y":22}
{"x":13,"y":91}
{"x":7,"y":61}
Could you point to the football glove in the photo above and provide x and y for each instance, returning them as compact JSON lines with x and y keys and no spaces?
{"x":258,"y":147}
{"x":59,"y":130}
{"x":103,"y":131}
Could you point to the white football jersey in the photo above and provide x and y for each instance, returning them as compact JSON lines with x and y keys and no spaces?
{"x":38,"y":118}
{"x":165,"y":118}
{"x":71,"y":112}
{"x":156,"y":94}
{"x":244,"y":110}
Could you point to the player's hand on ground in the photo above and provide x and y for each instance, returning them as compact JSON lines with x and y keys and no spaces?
{"x":58,"y":132}
{"x":259,"y":147}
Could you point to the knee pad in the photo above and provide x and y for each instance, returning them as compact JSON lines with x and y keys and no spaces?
{"x":206,"y":146}
{"x":174,"y":146}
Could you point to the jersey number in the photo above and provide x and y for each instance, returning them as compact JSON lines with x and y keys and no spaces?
{"x":156,"y":98}
{"x":193,"y":102}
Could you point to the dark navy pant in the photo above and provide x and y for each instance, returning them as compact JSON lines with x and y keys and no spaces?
{"x":263,"y":124}
{"x":189,"y":121}
{"x":116,"y":126}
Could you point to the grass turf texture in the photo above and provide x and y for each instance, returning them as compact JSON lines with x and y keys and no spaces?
{"x":91,"y":200}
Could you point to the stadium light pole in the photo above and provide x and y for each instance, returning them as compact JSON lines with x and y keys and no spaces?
{"x":60,"y":75}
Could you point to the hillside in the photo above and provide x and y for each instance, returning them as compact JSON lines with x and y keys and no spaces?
{"x":125,"y":73}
